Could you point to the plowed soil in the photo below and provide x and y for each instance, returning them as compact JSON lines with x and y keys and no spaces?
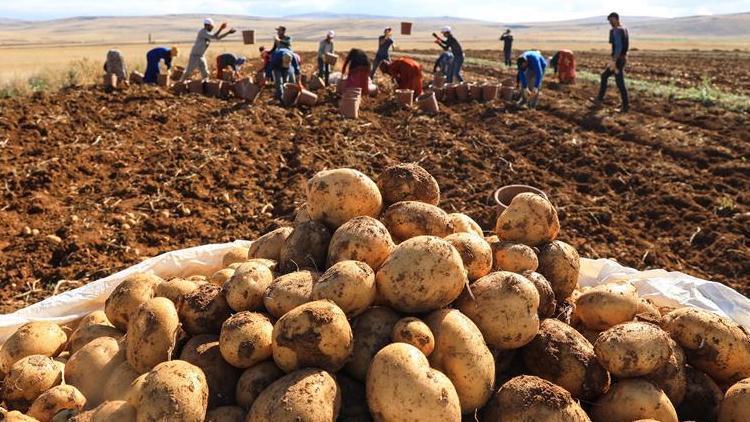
{"x":118,"y":177}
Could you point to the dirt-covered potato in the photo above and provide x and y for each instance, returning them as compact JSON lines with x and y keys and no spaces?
{"x":422,"y":274}
{"x":175,"y":288}
{"x":564,"y":357}
{"x":269,"y":245}
{"x":647,"y":311}
{"x":408,"y":182}
{"x":702,"y":397}
{"x":401,"y":386}
{"x":547,"y":302}
{"x":504,"y":306}
{"x":315,"y":334}
{"x":349,"y":284}
{"x":221,"y":377}
{"x":306,"y":247}
{"x":28,"y":378}
{"x":226,"y":414}
{"x":204,"y":310}
{"x":336,"y":196}
{"x":152,"y":334}
{"x":671,"y":376}
{"x":714,"y":344}
{"x":409,"y":219}
{"x":373,"y":331}
{"x":254,"y":380}
{"x":414,"y":331}
{"x":476,"y":254}
{"x":462,"y":223}
{"x":34,"y":338}
{"x":15,"y":416}
{"x":54,"y":400}
{"x":602,"y":307}
{"x":530,"y":219}
{"x":83,"y":335}
{"x":119,"y":383}
{"x":362,"y":239}
{"x":128,"y":296}
{"x":633,"y":349}
{"x":461,"y":354}
{"x":289,"y":291}
{"x":513,"y":257}
{"x":174,"y":390}
{"x":114,"y":411}
{"x":560,"y":264}
{"x":90,"y":367}
{"x":236,"y":254}
{"x":246,"y":339}
{"x":529,"y":398}
{"x":244,"y":291}
{"x":633,"y":399}
{"x":222,"y":276}
{"x":304,"y":395}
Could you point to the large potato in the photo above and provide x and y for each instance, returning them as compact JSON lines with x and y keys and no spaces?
{"x":152,"y":334}
{"x":28,"y":378}
{"x":408,"y":182}
{"x":34,"y":338}
{"x":671,"y":377}
{"x":315,"y":334}
{"x":633,"y":349}
{"x":54,"y":400}
{"x":204,"y":310}
{"x":174,"y":390}
{"x":128,"y":296}
{"x":336,"y":196}
{"x":514,"y":257}
{"x":528,"y":398}
{"x":90,"y":367}
{"x":236,"y":254}
{"x":119,"y":383}
{"x":254,"y":380}
{"x":349,"y":284}
{"x":413,"y":331}
{"x":560,"y":264}
{"x":504,"y":306}
{"x":401,"y":386}
{"x":408,"y":219}
{"x":476,"y":254}
{"x":421,"y":274}
{"x":226,"y":414}
{"x":372,"y":331}
{"x":633,"y":399}
{"x":306,"y":247}
{"x":712,"y":343}
{"x":221,"y":377}
{"x":114,"y":411}
{"x":702,"y":397}
{"x":362,"y":239}
{"x":564,"y":357}
{"x":175,"y":288}
{"x":461,"y":354}
{"x":289,"y":291}
{"x":462,"y":223}
{"x":269,"y":245}
{"x":530,"y":219}
{"x":547,"y":302}
{"x":309,"y":395}
{"x":246,"y":339}
{"x":607,"y":305}
{"x":736,"y":404}
{"x":244,"y":291}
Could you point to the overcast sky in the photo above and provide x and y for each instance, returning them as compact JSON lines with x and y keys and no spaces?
{"x":524,"y":11}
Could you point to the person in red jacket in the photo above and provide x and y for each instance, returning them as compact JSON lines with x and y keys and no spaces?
{"x":357,"y":68}
{"x":406,"y":72}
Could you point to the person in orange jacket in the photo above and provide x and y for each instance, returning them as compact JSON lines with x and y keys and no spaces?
{"x":406,"y":72}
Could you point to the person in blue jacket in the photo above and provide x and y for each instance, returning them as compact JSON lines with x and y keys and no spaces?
{"x":285,"y":67}
{"x":531,"y":67}
{"x":153,"y":58}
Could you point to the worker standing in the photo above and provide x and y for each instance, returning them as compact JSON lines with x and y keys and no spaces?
{"x":406,"y":72}
{"x":230,"y":60}
{"x":115,"y":64}
{"x":281,"y":40}
{"x":385,"y":43}
{"x":285,"y":68}
{"x":507,"y":40}
{"x":325,"y":47}
{"x":620,"y":40}
{"x":153,"y":58}
{"x":452,"y":44}
{"x":531,"y":67}
{"x":358,"y":66}
{"x":197,"y":58}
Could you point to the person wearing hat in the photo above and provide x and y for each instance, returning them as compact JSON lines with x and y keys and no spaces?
{"x":153,"y":58}
{"x":531,"y":66}
{"x":226,"y":60}
{"x":197,"y":58}
{"x":406,"y":72}
{"x":281,"y":40}
{"x":285,"y":68}
{"x":507,"y":40}
{"x":452,"y":44}
{"x":385,"y":43}
{"x":325,"y":47}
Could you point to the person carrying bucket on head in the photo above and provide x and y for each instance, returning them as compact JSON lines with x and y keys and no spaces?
{"x":531,"y":67}
{"x":285,"y":68}
{"x":115,"y":64}
{"x":444,"y":63}
{"x":507,"y":40}
{"x":226,"y":60}
{"x":281,"y":39}
{"x":197,"y":58}
{"x":358,"y":66}
{"x":452,"y":44}
{"x":325,"y":47}
{"x":153,"y":58}
{"x":385,"y":43}
{"x":406,"y":72}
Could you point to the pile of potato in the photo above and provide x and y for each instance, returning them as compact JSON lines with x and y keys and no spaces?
{"x":378,"y":305}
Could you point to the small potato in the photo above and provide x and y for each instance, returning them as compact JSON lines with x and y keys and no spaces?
{"x":547,"y":302}
{"x":246,"y":339}
{"x":174,"y":390}
{"x":55,"y":400}
{"x":119,"y":383}
{"x":373,"y":331}
{"x":175,"y":288}
{"x":204,"y":310}
{"x":414,"y":331}
{"x":226,"y":414}
{"x":29,"y":378}
{"x":336,"y":196}
{"x":671,"y":377}
{"x":633,"y":349}
{"x":90,"y":367}
{"x":306,"y":247}
{"x":560,"y":264}
{"x":702,"y":397}
{"x":476,"y":254}
{"x":34,"y":338}
{"x":128,"y":296}
{"x":222,"y":276}
{"x":245,"y":290}
{"x":409,"y":219}
{"x":289,"y":291}
{"x":203,"y":351}
{"x":152,"y":334}
{"x":633,"y":399}
{"x":528,"y":398}
{"x":607,"y":305}
{"x":530,"y":219}
{"x":304,"y":395}
{"x":361,"y":239}
{"x":408,"y":182}
{"x":269,"y":245}
{"x":254,"y":380}
{"x":349,"y":284}
{"x":114,"y":411}
{"x":236,"y":254}
{"x":513,"y":257}
{"x":462,"y":223}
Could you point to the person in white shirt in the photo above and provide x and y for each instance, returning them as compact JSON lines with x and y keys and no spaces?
{"x":325,"y":47}
{"x":197,"y":58}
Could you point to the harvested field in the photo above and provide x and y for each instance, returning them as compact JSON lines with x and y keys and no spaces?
{"x":94,"y":182}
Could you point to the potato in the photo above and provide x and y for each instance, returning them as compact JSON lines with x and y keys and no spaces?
{"x":306,"y":247}
{"x":83,"y":335}
{"x":648,"y":312}
{"x":289,"y":291}
{"x":204,"y":310}
{"x":244,"y":291}
{"x":349,"y":284}
{"x":633,"y":349}
{"x":15,"y":416}
{"x":119,"y":383}
{"x":226,"y":414}
{"x":607,"y":305}
{"x":269,"y":245}
{"x":409,"y":219}
{"x":221,"y":377}
{"x":152,"y":334}
{"x":128,"y":296}
{"x":671,"y":376}
{"x":408,"y":182}
{"x":134,"y":394}
{"x":461,"y":354}
{"x":714,"y":344}
{"x":513,"y":257}
{"x":462,"y":223}
{"x":28,"y":378}
{"x":476,"y":254}
{"x":114,"y":411}
{"x":373,"y":331}
{"x":529,"y":398}
{"x":530,"y":219}
{"x":33,"y":338}
{"x":94,"y":318}
{"x":246,"y":339}
{"x":353,"y":400}
{"x":547,"y":302}
{"x":254,"y":380}
{"x":361,"y":239}
{"x":304,"y":395}
{"x":504,"y":307}
{"x":336,"y":196}
{"x":222,"y":276}
{"x":175,"y":288}
{"x":414,"y":331}
{"x":91,"y":366}
{"x":315,"y":334}
{"x":401,"y":386}
{"x":301,"y":215}
{"x":560,"y":264}
{"x":174,"y":390}
{"x":633,"y":399}
{"x":702,"y":397}
{"x":561,"y":355}
{"x":421,"y":274}
{"x":236,"y":254}
{"x":54,"y":400}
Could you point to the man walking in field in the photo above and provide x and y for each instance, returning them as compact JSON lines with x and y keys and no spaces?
{"x":531,"y":67}
{"x":507,"y":40}
{"x":197,"y":58}
{"x":620,"y":40}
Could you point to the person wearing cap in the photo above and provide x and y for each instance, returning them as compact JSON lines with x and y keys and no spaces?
{"x":385,"y":43}
{"x":153,"y":58}
{"x":406,"y":72}
{"x":452,"y":44}
{"x":281,"y":40}
{"x":531,"y":66}
{"x":620,"y":40}
{"x":197,"y":58}
{"x":507,"y":40}
{"x":325,"y":47}
{"x":285,"y":68}
{"x":115,"y":63}
{"x":226,"y":60}
{"x":357,"y":70}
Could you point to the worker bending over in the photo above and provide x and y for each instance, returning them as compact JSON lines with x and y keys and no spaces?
{"x":406,"y":72}
{"x":115,"y":63}
{"x":153,"y":58}
{"x":229,"y":60}
{"x":531,"y":67}
{"x":285,"y":68}
{"x":443,"y":63}
{"x":358,"y":66}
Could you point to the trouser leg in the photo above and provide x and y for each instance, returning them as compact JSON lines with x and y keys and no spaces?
{"x":203,"y":67}
{"x":375,"y":66}
{"x":191,"y":66}
{"x":620,"y":79}
{"x":278,"y":81}
{"x":603,"y":83}
{"x":457,"y":65}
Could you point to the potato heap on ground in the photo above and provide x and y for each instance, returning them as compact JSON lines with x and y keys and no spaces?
{"x":376,"y":304}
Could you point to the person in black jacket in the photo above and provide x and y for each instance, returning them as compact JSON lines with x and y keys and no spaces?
{"x":452,"y":44}
{"x":507,"y":40}
{"x":620,"y":40}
